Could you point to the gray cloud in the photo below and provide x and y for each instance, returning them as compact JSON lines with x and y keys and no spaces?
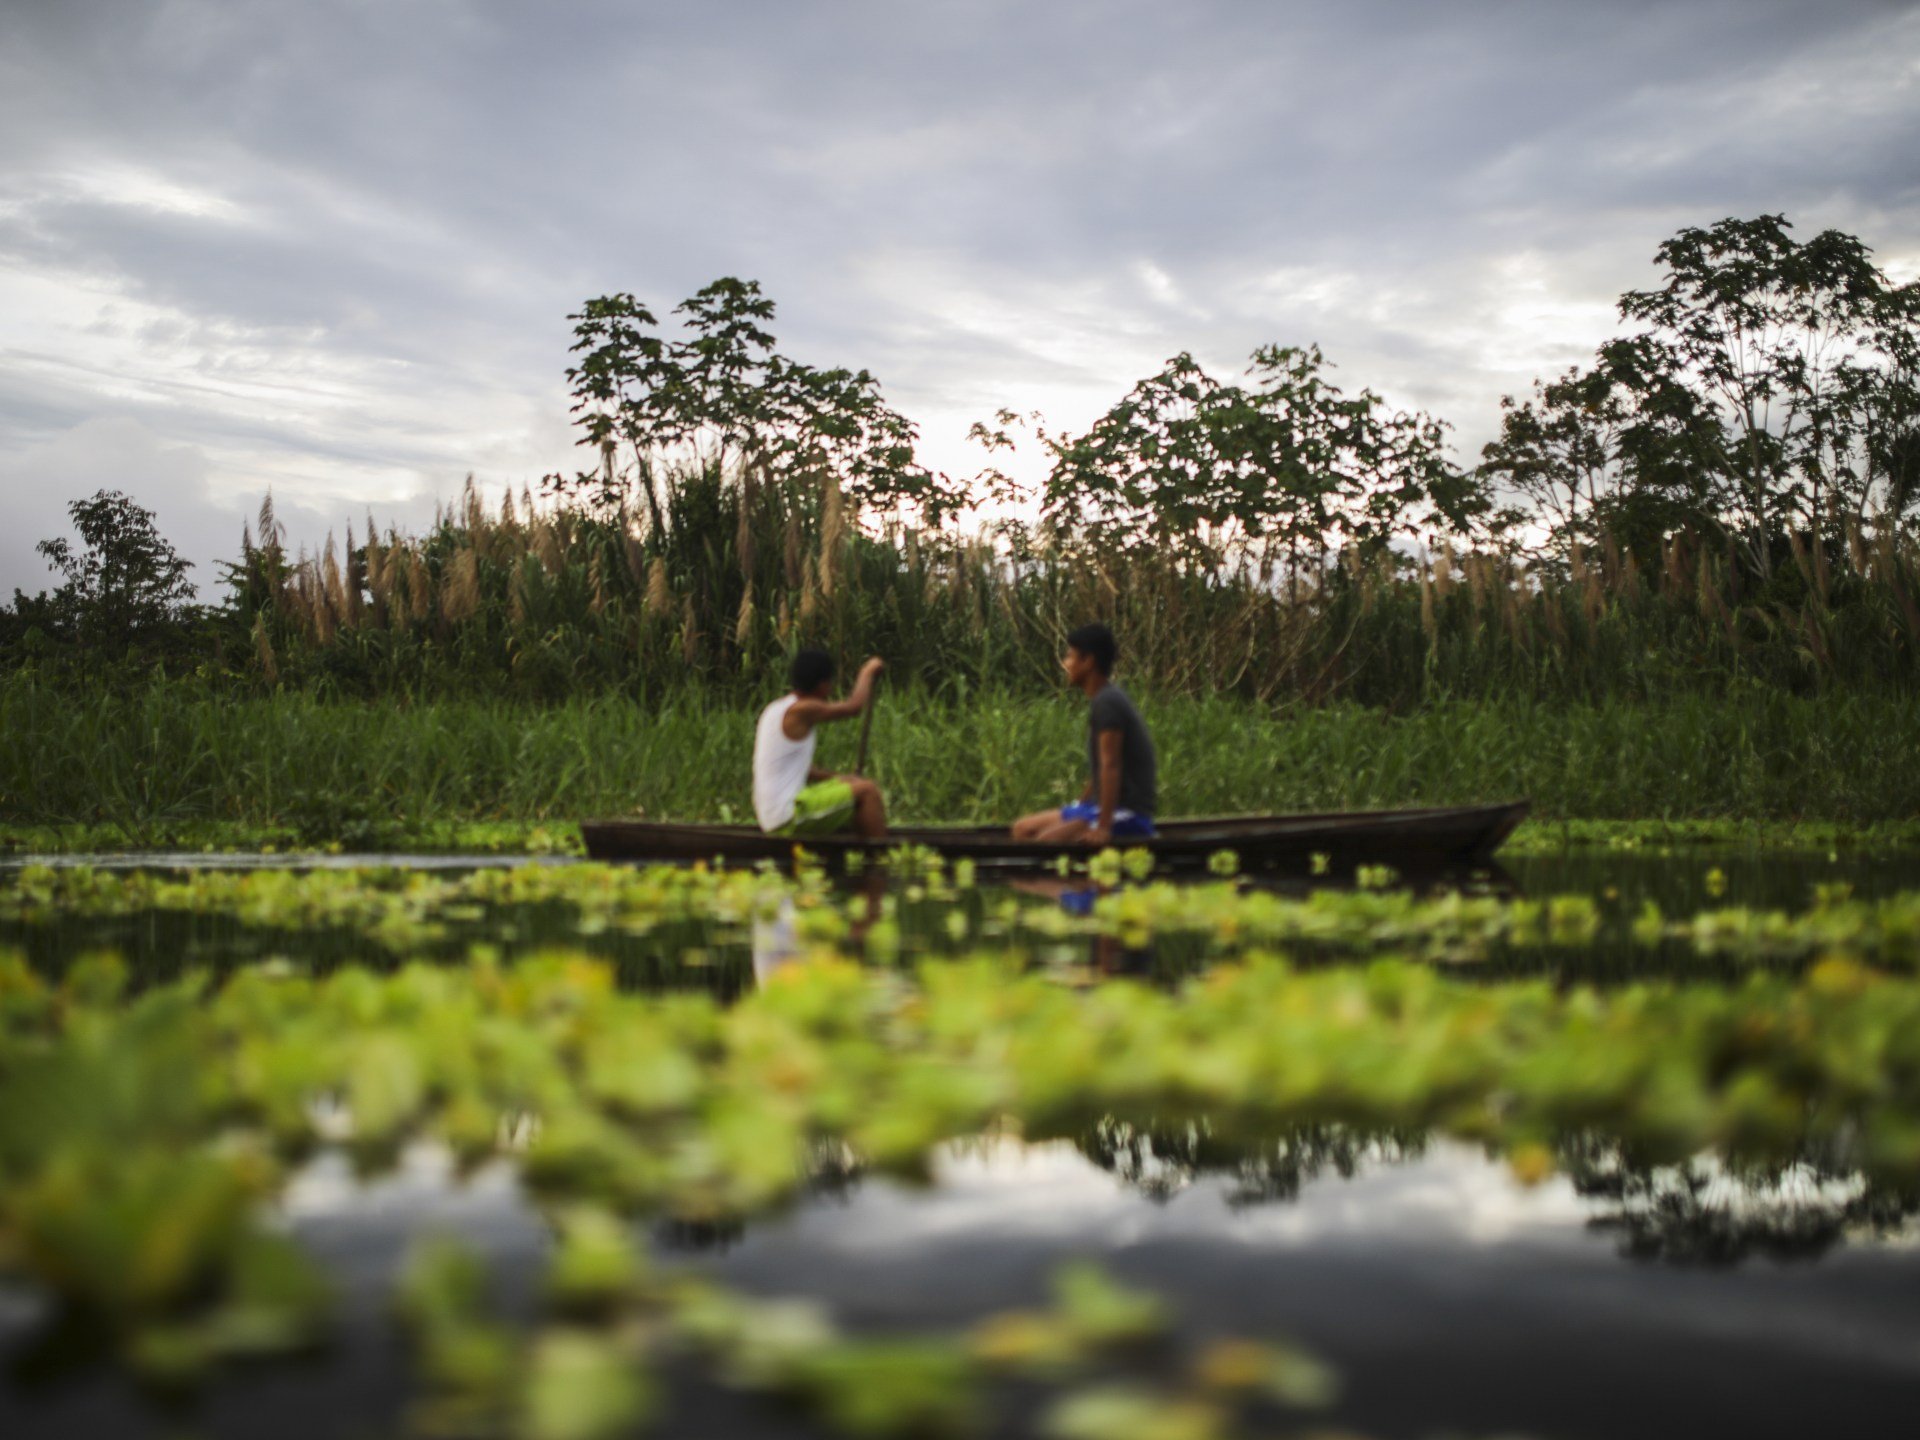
{"x":329,"y":248}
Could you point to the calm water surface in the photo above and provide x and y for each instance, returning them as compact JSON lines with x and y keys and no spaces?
{"x":1451,"y":1299}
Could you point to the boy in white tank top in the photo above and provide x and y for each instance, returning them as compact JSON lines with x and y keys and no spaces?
{"x":791,"y":796}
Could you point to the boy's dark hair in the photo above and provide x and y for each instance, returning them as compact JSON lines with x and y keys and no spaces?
{"x":1096,"y":642}
{"x":810,"y":669}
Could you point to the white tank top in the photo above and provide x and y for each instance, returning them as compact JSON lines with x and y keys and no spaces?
{"x":780,"y":765}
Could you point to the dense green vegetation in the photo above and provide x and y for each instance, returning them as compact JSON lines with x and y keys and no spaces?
{"x":162,"y":759}
{"x":1704,"y":607}
{"x":1726,"y":497}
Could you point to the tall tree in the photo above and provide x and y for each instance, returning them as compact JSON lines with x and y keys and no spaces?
{"x":720,"y":396}
{"x":126,"y":584}
{"x":1793,"y":347}
{"x":1613,"y":448}
{"x":1188,"y":466}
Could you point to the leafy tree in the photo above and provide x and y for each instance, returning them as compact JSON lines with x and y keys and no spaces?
{"x":1804,"y":353}
{"x":721,"y":396}
{"x":619,"y":401}
{"x":1201,"y":470}
{"x":1596,"y":451}
{"x":1348,"y":470}
{"x":125,"y":585}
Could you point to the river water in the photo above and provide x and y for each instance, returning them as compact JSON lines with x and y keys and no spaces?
{"x":1452,"y":1299}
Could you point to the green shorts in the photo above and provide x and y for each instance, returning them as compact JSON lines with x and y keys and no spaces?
{"x":821,"y":809}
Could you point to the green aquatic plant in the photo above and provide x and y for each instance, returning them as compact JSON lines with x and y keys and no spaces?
{"x":700,"y":925}
{"x":144,"y":1134}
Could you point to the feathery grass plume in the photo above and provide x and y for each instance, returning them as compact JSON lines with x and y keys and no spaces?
{"x":272,"y":534}
{"x":636,"y":557}
{"x":659,"y":593}
{"x":689,"y":634}
{"x":1443,"y":573}
{"x":1428,"y":623}
{"x":833,"y":524}
{"x":404,"y":608}
{"x":509,"y":520}
{"x":783,"y":623}
{"x":335,"y":583}
{"x":1713,"y":605}
{"x":1673,"y":559}
{"x":460,"y":596}
{"x":810,"y":592}
{"x":792,"y":560}
{"x":473,"y":516}
{"x":1856,"y":545}
{"x":393,"y":576}
{"x":420,"y":578}
{"x":355,"y":579}
{"x":546,"y":544}
{"x":379,"y":575}
{"x":743,"y":509}
{"x":1479,"y":573}
{"x":295,"y":598}
{"x":263,"y":657}
{"x":597,"y":583}
{"x":1609,"y":558}
{"x":318,"y":603}
{"x":520,"y":592}
{"x":1587,"y":582}
{"x":743,"y":621}
{"x":1513,"y":615}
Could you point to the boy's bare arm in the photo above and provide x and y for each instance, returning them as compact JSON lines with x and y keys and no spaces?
{"x":1110,"y":763}
{"x":803,"y":715}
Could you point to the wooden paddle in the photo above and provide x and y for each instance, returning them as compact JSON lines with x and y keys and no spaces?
{"x":866,"y":727}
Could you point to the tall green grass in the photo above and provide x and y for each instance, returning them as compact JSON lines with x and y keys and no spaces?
{"x":547,"y":604}
{"x":173,"y":752}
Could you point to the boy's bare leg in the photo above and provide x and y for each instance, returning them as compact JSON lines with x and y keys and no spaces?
{"x":1032,"y":827}
{"x":1063,"y":833}
{"x":869,"y":810}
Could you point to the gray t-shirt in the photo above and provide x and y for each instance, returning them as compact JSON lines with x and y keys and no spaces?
{"x":1139,"y":769}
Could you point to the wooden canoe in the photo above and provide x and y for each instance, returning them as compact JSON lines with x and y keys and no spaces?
{"x":1406,"y":839}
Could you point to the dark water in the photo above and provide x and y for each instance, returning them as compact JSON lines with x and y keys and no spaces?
{"x":1450,"y":1299}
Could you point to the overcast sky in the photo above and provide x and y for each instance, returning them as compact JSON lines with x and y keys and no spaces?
{"x":328,"y":246}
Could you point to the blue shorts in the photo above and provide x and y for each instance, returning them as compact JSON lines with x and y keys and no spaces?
{"x":1126,"y":824}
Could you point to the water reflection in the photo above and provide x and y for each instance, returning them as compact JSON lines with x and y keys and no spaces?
{"x":1705,"y":1211}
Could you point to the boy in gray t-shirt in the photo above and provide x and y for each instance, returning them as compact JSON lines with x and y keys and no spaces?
{"x":1122,"y":771}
